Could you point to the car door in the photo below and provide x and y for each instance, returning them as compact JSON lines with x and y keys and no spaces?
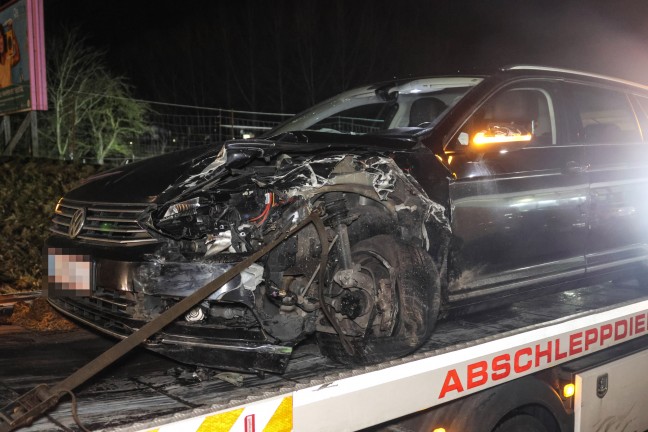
{"x":518,"y":209}
{"x":607,"y":123}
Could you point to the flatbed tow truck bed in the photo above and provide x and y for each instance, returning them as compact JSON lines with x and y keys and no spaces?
{"x":144,"y":391}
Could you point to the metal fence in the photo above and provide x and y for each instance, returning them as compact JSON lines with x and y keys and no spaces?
{"x":171,"y":127}
{"x":178,"y":127}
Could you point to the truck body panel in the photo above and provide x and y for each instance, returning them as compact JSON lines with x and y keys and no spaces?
{"x":613,"y":396}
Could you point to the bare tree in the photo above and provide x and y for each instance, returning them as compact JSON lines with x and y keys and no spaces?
{"x":92,"y":111}
{"x":115,"y":120}
{"x":71,"y":70}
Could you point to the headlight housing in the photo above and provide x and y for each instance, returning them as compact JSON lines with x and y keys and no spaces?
{"x":190,"y":219}
{"x":181,"y":208}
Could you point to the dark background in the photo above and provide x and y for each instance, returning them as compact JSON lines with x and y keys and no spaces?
{"x":285,"y":55}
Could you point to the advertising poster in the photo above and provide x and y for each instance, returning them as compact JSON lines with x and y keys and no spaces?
{"x":22,"y":66}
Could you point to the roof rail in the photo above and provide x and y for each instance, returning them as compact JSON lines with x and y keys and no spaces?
{"x":573,"y":72}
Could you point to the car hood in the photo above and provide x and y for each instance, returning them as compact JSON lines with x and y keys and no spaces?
{"x":142,"y":181}
{"x":172,"y":176}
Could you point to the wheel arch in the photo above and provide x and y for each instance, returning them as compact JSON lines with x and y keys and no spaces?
{"x":484,"y":411}
{"x":528,"y":395}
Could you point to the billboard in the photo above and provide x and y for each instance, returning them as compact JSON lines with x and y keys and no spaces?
{"x":23,"y":84}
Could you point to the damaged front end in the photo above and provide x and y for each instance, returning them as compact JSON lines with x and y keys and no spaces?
{"x":346,"y":279}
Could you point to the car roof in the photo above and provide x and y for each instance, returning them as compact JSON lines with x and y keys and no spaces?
{"x":569,"y":73}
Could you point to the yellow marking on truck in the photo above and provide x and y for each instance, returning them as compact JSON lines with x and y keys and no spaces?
{"x":220,"y":422}
{"x":281,"y":420}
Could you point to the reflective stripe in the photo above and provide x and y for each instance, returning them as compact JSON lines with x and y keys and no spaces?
{"x":220,"y":422}
{"x":272,"y":415}
{"x":281,"y":420}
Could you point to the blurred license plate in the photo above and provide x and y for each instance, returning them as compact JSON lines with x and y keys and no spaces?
{"x":68,"y":274}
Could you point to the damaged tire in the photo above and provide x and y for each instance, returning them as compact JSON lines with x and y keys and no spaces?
{"x":398,"y":321}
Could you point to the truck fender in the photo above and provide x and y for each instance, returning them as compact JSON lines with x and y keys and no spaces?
{"x":483,"y":411}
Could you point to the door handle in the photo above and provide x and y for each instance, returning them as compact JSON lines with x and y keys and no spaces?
{"x":573,"y":167}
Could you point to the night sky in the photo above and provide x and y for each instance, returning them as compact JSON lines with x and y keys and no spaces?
{"x":285,"y":55}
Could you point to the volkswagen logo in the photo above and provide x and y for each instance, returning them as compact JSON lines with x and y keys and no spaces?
{"x":76,"y":224}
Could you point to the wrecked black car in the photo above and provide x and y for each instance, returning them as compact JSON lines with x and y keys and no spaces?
{"x":428,"y":195}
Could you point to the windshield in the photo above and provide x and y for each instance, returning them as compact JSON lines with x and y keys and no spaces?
{"x":414,"y":104}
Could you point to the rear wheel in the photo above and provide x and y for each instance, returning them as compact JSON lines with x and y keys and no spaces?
{"x":391,"y":306}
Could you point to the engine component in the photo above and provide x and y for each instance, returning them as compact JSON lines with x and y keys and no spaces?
{"x":353,"y":304}
{"x":196,"y":314}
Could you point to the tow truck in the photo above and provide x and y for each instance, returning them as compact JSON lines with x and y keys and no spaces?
{"x":463,"y":192}
{"x":566,"y":361}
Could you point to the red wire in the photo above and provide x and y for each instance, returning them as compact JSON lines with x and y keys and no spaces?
{"x":261,"y":215}
{"x":265,"y":212}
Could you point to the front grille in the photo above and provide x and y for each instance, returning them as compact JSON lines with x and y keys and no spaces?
{"x":105,"y":223}
{"x":106,"y":311}
{"x":112,"y":301}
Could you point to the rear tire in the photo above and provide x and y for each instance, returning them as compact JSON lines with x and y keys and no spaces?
{"x":416,"y":292}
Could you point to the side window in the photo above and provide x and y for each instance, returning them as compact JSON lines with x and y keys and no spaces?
{"x":603,"y":116}
{"x":523,"y":114}
{"x":529,"y":110}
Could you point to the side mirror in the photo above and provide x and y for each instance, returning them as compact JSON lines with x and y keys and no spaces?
{"x":501,"y":133}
